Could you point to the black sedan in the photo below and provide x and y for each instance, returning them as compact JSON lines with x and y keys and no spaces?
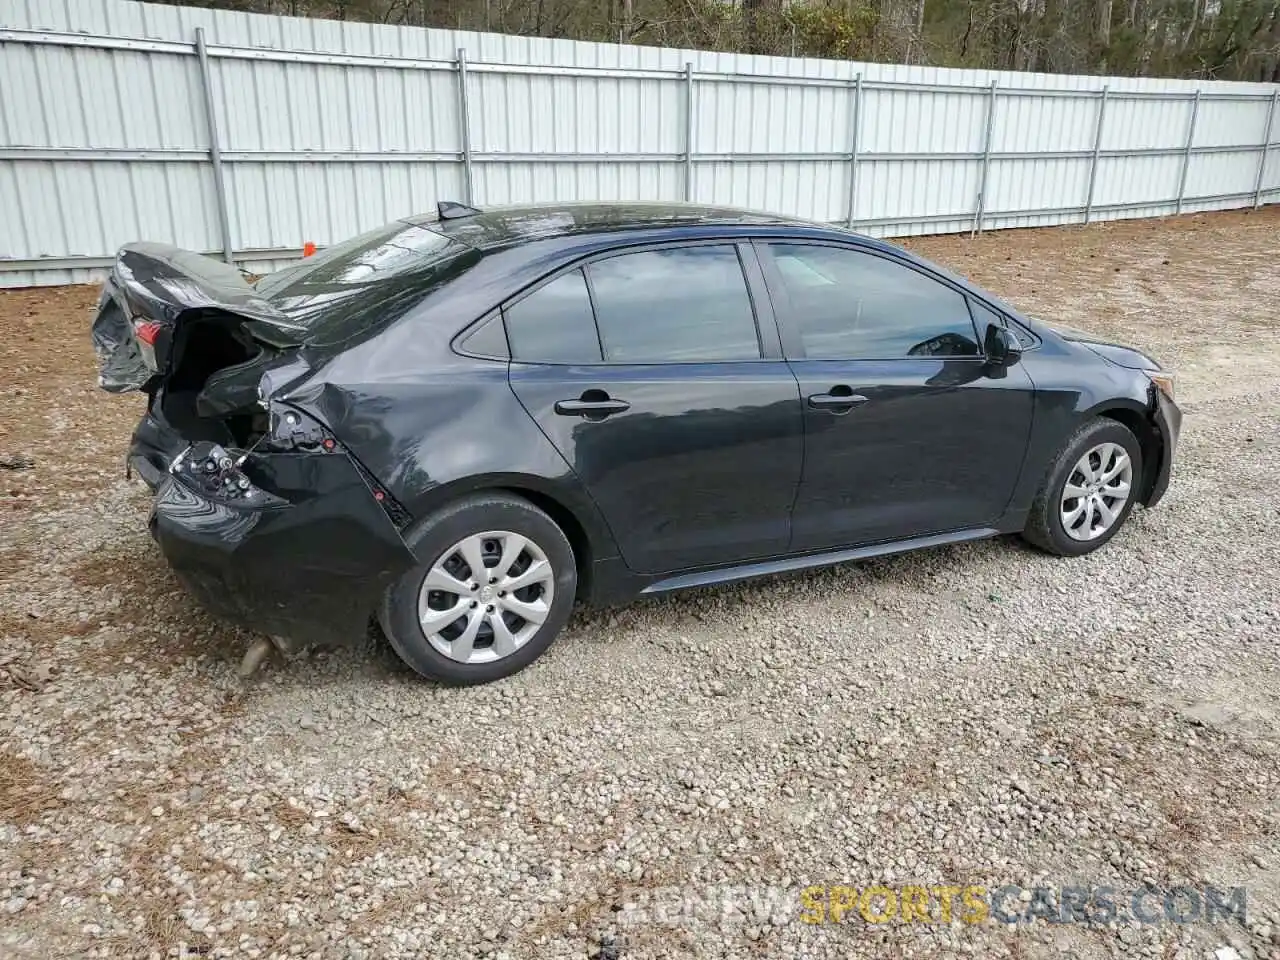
{"x":460,"y":423}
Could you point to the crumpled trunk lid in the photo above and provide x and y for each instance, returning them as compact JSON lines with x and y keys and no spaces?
{"x":154,"y":291}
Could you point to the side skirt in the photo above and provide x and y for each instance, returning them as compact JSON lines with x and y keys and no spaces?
{"x":763,"y":568}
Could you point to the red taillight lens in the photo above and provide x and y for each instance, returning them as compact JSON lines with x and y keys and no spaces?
{"x":148,"y":332}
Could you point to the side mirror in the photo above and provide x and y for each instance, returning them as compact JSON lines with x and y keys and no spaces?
{"x":1001,"y":346}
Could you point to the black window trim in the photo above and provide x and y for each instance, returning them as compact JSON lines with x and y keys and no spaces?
{"x":762,"y":280}
{"x":762,"y":308}
{"x":1035,"y":338}
{"x":591,"y":303}
{"x":1010,"y":322}
{"x":789,"y":328}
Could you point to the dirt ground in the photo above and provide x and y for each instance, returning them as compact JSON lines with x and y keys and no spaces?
{"x":125,"y":736}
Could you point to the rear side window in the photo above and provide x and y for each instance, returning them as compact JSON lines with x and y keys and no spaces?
{"x":554,"y":324}
{"x":674,"y":305}
{"x":851,"y":305}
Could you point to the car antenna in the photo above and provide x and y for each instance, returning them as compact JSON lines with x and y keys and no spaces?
{"x":450,"y":210}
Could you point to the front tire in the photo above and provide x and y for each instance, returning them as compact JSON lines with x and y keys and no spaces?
{"x":1089,"y":490}
{"x":497,"y":589}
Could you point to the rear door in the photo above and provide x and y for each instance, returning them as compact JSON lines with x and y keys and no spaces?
{"x":660,"y":379}
{"x":908,"y":430}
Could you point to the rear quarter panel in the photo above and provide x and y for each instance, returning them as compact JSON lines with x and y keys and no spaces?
{"x":433,"y":426}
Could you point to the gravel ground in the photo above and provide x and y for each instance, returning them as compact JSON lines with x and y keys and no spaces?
{"x":672,"y":773}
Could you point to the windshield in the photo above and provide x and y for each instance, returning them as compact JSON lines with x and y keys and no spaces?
{"x":366,"y":282}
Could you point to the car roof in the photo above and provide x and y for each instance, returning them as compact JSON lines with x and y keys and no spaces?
{"x":505,"y":226}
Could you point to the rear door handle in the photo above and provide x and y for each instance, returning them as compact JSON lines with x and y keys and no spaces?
{"x":840,"y":396}
{"x":593,"y":404}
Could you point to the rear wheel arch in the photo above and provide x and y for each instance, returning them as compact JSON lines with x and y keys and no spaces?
{"x":569,"y":523}
{"x":446,"y":617}
{"x":586,"y":534}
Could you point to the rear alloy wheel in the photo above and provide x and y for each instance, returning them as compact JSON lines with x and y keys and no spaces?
{"x":486,"y":597}
{"x":1089,"y":490}
{"x":498,"y":590}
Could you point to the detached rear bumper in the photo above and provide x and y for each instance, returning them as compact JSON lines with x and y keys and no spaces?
{"x":313,"y":570}
{"x":1168,"y":421}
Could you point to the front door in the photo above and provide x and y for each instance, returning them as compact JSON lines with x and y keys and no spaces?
{"x":648,"y":372}
{"x":908,"y":430}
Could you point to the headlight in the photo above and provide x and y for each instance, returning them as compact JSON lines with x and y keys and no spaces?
{"x":1163,"y":381}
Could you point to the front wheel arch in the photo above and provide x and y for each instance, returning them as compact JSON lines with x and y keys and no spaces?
{"x":1044,"y":526}
{"x":1140,"y":424}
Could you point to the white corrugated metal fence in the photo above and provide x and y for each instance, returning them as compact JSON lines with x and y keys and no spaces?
{"x":245,"y":135}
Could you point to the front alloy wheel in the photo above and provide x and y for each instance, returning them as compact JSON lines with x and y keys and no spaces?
{"x":1096,"y":491}
{"x":1088,"y":491}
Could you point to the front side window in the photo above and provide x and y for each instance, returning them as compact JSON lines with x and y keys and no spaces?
{"x":851,"y":305}
{"x":554,"y":324}
{"x":674,"y":305}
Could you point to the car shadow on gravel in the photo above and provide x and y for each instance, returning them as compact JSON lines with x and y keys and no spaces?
{"x":371,"y":657}
{"x":148,"y":618}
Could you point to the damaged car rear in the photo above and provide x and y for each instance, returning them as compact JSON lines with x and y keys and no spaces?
{"x":267,"y":515}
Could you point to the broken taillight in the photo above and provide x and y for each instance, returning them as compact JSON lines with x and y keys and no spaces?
{"x":148,"y":332}
{"x":216,"y":473}
{"x":292,"y":431}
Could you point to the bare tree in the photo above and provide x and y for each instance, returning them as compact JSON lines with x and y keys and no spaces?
{"x":1230,"y":39}
{"x":1102,"y":29}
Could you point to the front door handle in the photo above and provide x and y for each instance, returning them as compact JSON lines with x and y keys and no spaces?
{"x":839,"y":399}
{"x":592,"y":405}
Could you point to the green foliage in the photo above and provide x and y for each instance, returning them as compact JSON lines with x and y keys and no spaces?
{"x":834,"y":32}
{"x":1224,"y":39}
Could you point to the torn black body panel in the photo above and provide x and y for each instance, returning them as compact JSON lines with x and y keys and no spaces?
{"x":163,"y":288}
{"x":1167,"y":419}
{"x":153,"y":447}
{"x":309,"y":565}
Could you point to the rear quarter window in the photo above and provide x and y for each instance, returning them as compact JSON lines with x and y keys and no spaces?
{"x":554,"y":324}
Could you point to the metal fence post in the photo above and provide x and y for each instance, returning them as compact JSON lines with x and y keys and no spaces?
{"x":1266,"y":145}
{"x":464,"y":125}
{"x":986,"y":161}
{"x":1097,"y":148}
{"x":1186,"y":152}
{"x":688,"y":132}
{"x":215,"y":149}
{"x":855,"y":121}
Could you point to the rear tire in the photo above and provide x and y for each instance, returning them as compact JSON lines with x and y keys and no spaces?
{"x":496,"y":590}
{"x":1080,"y":505}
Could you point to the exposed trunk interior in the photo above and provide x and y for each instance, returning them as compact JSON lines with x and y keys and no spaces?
{"x":211,"y":389}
